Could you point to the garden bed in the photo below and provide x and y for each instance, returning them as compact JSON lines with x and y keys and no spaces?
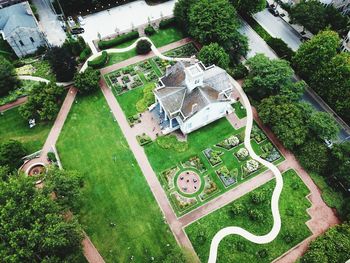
{"x":213,"y":156}
{"x":227,"y":177}
{"x":194,"y":162}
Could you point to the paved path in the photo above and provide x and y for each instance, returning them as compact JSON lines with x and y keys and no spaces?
{"x":39,"y":79}
{"x":90,"y":252}
{"x":13,"y":104}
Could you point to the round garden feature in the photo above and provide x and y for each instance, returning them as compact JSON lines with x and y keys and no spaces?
{"x":36,"y":169}
{"x":188,"y":182}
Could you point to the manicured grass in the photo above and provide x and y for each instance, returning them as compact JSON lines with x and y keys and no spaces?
{"x":128,"y":100}
{"x":118,"y":57}
{"x":166,"y":36}
{"x":293,"y":205}
{"x":240,"y":111}
{"x":115,"y":191}
{"x":13,"y":126}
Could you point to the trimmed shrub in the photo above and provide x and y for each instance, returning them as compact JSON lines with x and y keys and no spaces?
{"x":51,"y":157}
{"x":85,"y":54}
{"x":239,"y":72}
{"x":103,"y":44}
{"x":281,"y":48}
{"x":149,"y":30}
{"x":143,"y":47}
{"x":99,"y":61}
{"x":235,"y":210}
{"x":257,"y":197}
{"x":166,"y":23}
{"x":255,"y":215}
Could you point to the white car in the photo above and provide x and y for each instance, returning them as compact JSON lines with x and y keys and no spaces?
{"x":71,"y":21}
{"x":81,"y":20}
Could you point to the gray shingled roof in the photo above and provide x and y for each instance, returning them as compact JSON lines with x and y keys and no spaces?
{"x":15,"y":16}
{"x":175,"y":97}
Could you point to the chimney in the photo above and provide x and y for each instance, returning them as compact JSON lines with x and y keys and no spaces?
{"x":193,"y":60}
{"x":194,"y":108}
{"x":167,"y":70}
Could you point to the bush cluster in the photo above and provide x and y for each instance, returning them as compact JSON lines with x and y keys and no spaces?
{"x":166,"y":23}
{"x":149,"y":30}
{"x":99,"y":61}
{"x":281,"y":48}
{"x":104,"y":44}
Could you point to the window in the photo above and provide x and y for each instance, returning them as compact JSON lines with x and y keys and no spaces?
{"x":21,"y":43}
{"x":31,"y":39}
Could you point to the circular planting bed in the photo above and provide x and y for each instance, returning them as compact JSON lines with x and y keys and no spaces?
{"x":36,"y":170}
{"x":188,"y":182}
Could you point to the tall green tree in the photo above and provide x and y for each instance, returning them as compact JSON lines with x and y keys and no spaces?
{"x":87,"y":81}
{"x":32,"y":226}
{"x":249,"y":6}
{"x":216,"y":21}
{"x":323,"y":125}
{"x":8,"y":77}
{"x":181,"y":14}
{"x":214,"y":54}
{"x":11,"y":153}
{"x":43,"y":102}
{"x":62,"y":62}
{"x":339,"y":163}
{"x":314,"y":54}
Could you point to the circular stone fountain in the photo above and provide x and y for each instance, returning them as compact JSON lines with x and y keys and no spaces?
{"x":188,"y":182}
{"x":36,"y":169}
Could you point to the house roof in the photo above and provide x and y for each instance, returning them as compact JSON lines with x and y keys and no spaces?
{"x":16,"y":16}
{"x":178,"y":100}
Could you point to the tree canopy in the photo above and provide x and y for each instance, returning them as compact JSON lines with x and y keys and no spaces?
{"x":62,"y":62}
{"x":43,"y":102}
{"x":181,"y":13}
{"x":87,"y":81}
{"x":215,"y":21}
{"x":11,"y":153}
{"x":314,"y":54}
{"x":249,"y":6}
{"x":8,"y":77}
{"x":323,"y":125}
{"x":339,"y":163}
{"x":143,"y":47}
{"x":32,"y":226}
{"x":214,"y":54}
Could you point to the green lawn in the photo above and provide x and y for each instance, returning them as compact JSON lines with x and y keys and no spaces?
{"x":128,"y":100}
{"x":240,"y":111}
{"x":118,"y":57}
{"x":115,"y":189}
{"x":13,"y":126}
{"x":293,"y":205}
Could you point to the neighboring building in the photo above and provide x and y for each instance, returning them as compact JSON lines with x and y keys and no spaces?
{"x":191,"y":96}
{"x":19,"y":28}
{"x":346,"y":43}
{"x":5,"y":3}
{"x":342,"y":5}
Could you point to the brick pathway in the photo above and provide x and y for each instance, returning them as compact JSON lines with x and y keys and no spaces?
{"x":13,"y":104}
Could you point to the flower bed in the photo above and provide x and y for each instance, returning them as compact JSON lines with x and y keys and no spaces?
{"x":144,"y":66}
{"x":169,"y":176}
{"x":194,"y":162}
{"x":187,"y":50}
{"x":250,"y":167}
{"x":143,"y":139}
{"x":228,"y":178}
{"x":257,"y":134}
{"x":151,"y":76}
{"x":229,"y":143}
{"x":210,"y":188}
{"x":182,"y":202}
{"x":213,"y":156}
{"x":242,"y":154}
{"x":270,"y":153}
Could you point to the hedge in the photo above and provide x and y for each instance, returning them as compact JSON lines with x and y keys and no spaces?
{"x":166,"y":23}
{"x":149,"y":30}
{"x":99,"y":61}
{"x":281,"y":48}
{"x":103,"y":44}
{"x":85,"y":54}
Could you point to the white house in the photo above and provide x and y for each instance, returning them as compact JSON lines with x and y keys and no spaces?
{"x":191,"y":96}
{"x":19,"y":28}
{"x":342,"y":5}
{"x":346,"y":43}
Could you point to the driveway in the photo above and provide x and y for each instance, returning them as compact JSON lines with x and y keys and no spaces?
{"x":277,"y":27}
{"x":123,"y":18}
{"x":256,"y":43}
{"x":49,"y":23}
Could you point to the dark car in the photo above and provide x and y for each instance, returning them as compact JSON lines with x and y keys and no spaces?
{"x":273,"y":11}
{"x":304,"y":38}
{"x":78,"y":30}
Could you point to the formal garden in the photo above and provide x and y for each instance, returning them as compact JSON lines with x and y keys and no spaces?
{"x":217,"y":156}
{"x":253,"y":213}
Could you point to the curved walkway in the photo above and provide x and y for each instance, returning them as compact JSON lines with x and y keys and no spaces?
{"x":39,"y":79}
{"x":275,"y":196}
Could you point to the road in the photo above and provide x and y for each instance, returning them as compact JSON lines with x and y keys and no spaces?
{"x":49,"y":23}
{"x":256,"y":43}
{"x":277,"y":27}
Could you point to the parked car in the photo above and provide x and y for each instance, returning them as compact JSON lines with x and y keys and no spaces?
{"x":81,"y":20}
{"x":63,"y":25}
{"x":71,"y":22}
{"x":77,"y":30}
{"x":273,"y":10}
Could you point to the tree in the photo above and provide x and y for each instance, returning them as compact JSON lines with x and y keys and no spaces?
{"x":323,"y":125}
{"x":4,"y":172}
{"x":267,"y":77}
{"x":288,"y":120}
{"x":214,"y":54}
{"x":248,"y":7}
{"x":8,"y":77}
{"x":32,"y":226}
{"x":215,"y":21}
{"x":43,"y":102}
{"x":313,"y":156}
{"x":314,"y":54}
{"x":332,"y":246}
{"x":332,"y":83}
{"x":62,"y":62}
{"x":143,"y":47}
{"x":310,"y":14}
{"x":336,"y":20}
{"x":339,"y":163}
{"x":67,"y":187}
{"x":87,"y":81}
{"x":11,"y":153}
{"x":181,"y":14}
